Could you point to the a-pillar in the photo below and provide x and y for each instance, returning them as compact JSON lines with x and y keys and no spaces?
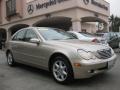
{"x":76,"y":25}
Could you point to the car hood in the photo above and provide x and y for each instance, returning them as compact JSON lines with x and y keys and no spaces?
{"x":89,"y":46}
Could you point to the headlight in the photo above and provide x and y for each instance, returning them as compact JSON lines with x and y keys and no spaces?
{"x":85,"y":54}
{"x":112,"y":51}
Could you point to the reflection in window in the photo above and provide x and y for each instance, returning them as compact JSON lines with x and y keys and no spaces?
{"x":30,"y":35}
{"x":19,"y":36}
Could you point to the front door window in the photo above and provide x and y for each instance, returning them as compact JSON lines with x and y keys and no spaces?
{"x":30,"y":35}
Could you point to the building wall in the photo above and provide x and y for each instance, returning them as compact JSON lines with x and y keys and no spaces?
{"x":89,"y":27}
{"x":22,"y":6}
{"x":73,"y":9}
{"x":0,"y":11}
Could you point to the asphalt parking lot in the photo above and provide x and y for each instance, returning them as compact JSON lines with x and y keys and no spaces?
{"x":24,"y":77}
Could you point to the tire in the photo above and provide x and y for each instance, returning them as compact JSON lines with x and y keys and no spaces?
{"x":62,"y":70}
{"x":119,"y":45}
{"x":10,"y":59}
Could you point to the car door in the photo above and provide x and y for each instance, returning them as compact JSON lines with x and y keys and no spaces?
{"x":17,"y":44}
{"x":33,"y":50}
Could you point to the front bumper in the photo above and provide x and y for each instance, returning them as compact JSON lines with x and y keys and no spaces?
{"x":91,"y":68}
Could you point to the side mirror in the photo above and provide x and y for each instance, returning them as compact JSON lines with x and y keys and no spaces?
{"x":34,"y":40}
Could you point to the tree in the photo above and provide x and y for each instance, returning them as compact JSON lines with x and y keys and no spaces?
{"x":115,"y":23}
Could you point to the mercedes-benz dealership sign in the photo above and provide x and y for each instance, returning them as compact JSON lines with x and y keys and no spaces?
{"x":95,"y":3}
{"x":47,"y":4}
{"x":30,"y":9}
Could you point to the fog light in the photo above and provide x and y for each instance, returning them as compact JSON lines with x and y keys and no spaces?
{"x":91,"y":71}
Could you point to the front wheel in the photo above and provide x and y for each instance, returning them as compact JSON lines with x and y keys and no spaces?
{"x":10,"y":59}
{"x":62,"y":70}
{"x":119,"y":45}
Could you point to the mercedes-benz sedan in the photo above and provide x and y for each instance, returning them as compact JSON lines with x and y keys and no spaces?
{"x":60,"y":53}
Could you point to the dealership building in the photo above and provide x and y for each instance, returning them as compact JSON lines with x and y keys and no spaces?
{"x":76,"y":15}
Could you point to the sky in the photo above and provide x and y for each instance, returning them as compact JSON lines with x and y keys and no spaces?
{"x":115,"y":7}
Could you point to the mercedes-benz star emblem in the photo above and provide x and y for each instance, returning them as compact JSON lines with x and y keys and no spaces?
{"x":86,"y":2}
{"x":30,"y":9}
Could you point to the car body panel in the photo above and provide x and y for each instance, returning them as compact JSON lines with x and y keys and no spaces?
{"x":91,"y":38}
{"x":89,"y":69}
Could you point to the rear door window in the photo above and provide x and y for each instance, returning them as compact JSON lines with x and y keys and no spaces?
{"x":19,"y":36}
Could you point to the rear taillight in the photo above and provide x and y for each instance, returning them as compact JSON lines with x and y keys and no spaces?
{"x":96,"y":41}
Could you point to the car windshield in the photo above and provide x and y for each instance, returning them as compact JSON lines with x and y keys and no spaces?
{"x":55,"y":34}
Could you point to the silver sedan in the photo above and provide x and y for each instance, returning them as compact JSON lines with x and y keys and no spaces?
{"x":60,"y":53}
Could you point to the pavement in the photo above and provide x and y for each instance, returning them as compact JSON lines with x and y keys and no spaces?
{"x":23,"y":77}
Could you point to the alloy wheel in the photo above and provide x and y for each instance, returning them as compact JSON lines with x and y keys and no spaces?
{"x":60,"y":71}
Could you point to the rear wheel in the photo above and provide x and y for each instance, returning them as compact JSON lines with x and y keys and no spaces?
{"x":62,"y":70}
{"x":10,"y":59}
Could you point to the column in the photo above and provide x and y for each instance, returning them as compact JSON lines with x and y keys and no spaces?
{"x":76,"y":25}
{"x":106,"y":27}
{"x":8,"y":35}
{"x":0,"y":12}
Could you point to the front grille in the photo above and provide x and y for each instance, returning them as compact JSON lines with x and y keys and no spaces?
{"x":104,"y":54}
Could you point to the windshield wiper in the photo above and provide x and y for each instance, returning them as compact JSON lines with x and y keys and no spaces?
{"x":56,"y":39}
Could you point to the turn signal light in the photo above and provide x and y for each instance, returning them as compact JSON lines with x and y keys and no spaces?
{"x":77,"y":65}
